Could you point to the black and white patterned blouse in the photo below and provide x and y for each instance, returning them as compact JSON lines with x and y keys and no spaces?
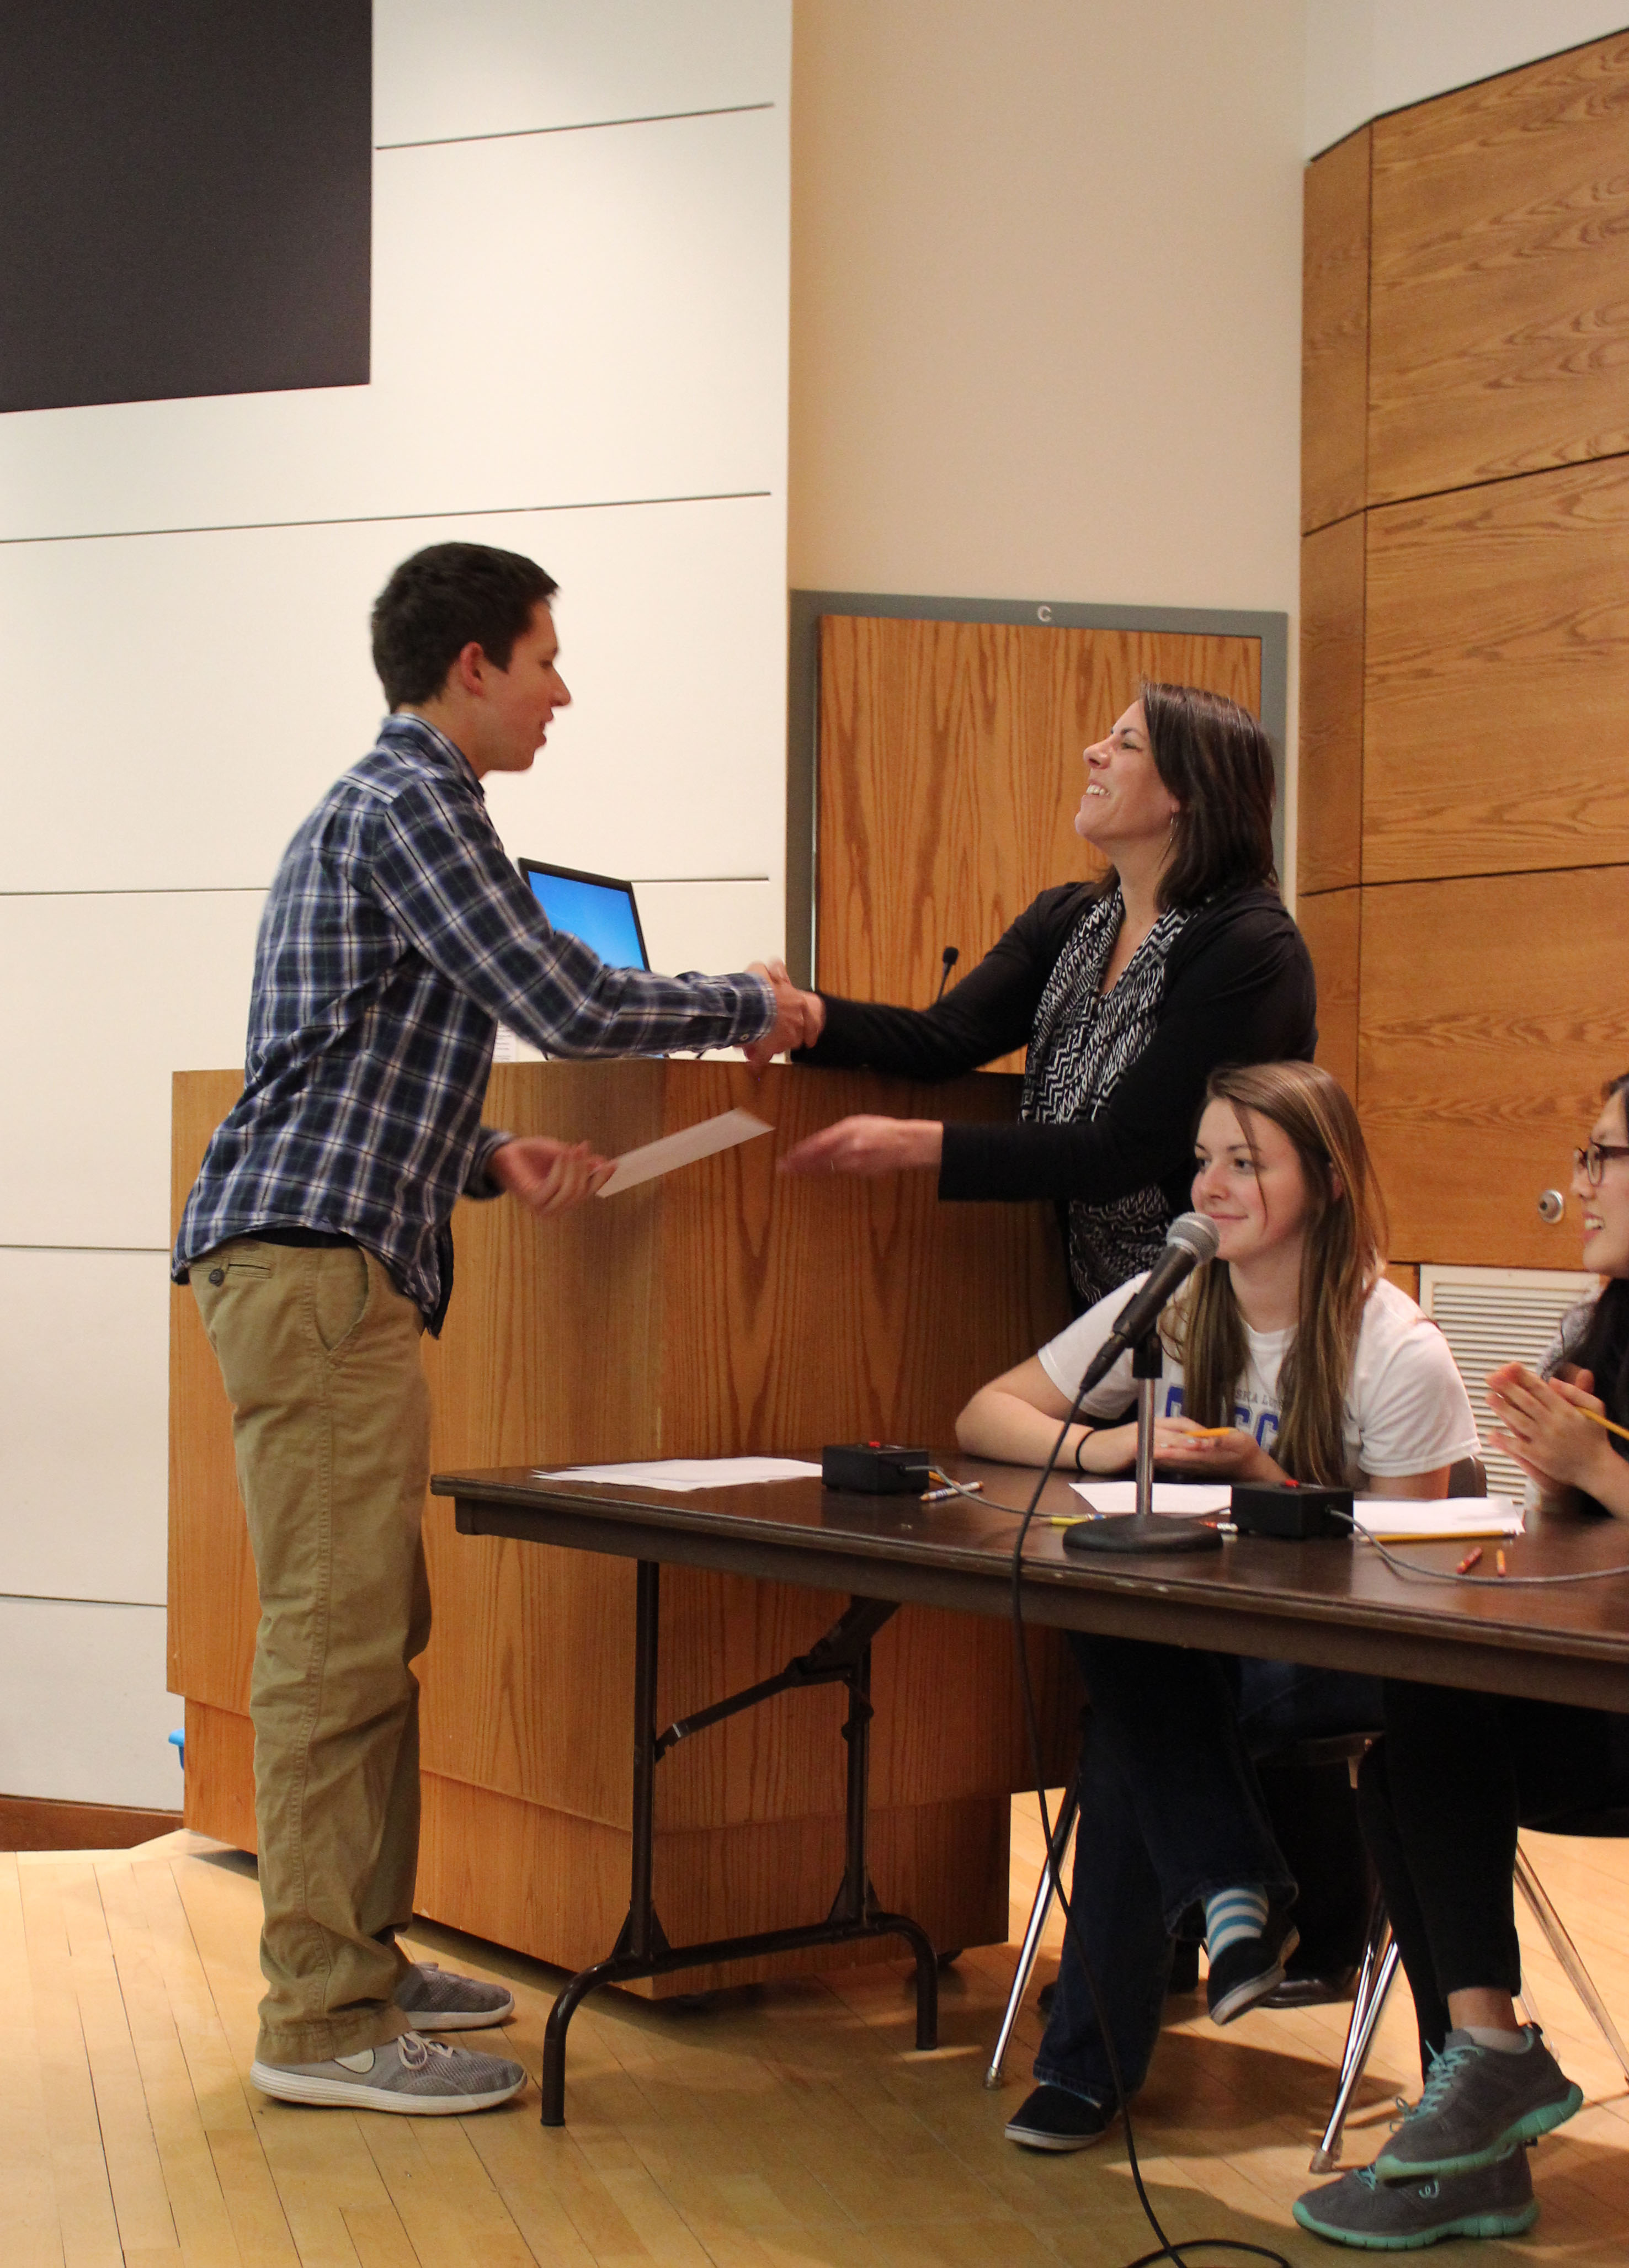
{"x":1084,"y":1041}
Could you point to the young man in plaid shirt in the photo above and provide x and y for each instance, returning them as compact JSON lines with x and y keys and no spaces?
{"x":396,"y":936}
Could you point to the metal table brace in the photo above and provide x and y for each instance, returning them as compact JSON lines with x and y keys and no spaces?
{"x":842,"y":1657}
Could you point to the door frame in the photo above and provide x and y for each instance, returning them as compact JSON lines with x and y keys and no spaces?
{"x":1272,"y":631}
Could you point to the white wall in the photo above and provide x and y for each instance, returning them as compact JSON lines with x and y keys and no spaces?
{"x":1367,"y":56}
{"x":1046,"y":300}
{"x":579,"y":351}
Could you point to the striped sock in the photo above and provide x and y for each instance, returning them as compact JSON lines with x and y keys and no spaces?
{"x":1232,"y":1915}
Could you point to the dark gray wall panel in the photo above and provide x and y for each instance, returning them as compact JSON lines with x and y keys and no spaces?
{"x":185,"y":197}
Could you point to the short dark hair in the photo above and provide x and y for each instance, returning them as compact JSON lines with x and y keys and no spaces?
{"x":442,"y":600}
{"x":1216,"y":760}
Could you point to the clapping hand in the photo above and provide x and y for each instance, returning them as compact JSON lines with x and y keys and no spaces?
{"x":1539,"y":1426}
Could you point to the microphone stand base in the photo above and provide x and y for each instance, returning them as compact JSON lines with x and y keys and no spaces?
{"x":1137,"y":1531}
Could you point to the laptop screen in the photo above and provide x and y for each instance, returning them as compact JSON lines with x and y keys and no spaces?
{"x":594,"y":908}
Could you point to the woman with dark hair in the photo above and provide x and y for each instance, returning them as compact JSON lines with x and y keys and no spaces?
{"x":1127,"y":993}
{"x":1441,"y":1798}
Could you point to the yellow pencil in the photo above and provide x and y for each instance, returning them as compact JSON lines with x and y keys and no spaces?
{"x":1595,"y":1418}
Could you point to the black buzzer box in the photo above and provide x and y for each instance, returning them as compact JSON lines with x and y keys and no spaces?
{"x":875,"y":1468}
{"x":1298,"y":1514}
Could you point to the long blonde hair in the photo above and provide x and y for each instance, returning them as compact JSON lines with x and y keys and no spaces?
{"x":1341,"y":1259}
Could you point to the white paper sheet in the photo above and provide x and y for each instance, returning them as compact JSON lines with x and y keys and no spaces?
{"x":1450,"y":1516}
{"x":1189,"y":1497}
{"x":685,"y":1472}
{"x":652,"y":1159}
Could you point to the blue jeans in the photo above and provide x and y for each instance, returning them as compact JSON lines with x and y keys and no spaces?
{"x":1170,"y":1811}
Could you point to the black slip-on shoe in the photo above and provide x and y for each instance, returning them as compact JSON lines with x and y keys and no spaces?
{"x":1054,"y":2119}
{"x":1250,"y":1969}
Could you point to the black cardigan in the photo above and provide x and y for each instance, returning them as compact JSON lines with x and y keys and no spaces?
{"x":1238,"y":989}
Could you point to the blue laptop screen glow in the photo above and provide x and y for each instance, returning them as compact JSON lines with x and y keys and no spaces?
{"x":601,"y":914}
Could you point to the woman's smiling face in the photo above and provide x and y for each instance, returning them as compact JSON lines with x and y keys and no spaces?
{"x":1606,"y":1207}
{"x":1249,"y":1180}
{"x":1125,"y":800}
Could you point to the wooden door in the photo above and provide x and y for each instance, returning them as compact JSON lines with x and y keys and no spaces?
{"x":950,"y":774}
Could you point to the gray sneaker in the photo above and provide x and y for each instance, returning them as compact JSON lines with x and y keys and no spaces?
{"x":408,"y":2073}
{"x":1476,"y":2103}
{"x":439,"y":2000}
{"x":1378,"y":2216}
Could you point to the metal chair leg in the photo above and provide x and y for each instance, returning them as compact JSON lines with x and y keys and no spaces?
{"x":1379,"y":1966}
{"x":1045,"y":1890}
{"x":1566,"y":1953}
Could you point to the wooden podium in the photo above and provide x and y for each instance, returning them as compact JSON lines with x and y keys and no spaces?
{"x":723,"y":1309}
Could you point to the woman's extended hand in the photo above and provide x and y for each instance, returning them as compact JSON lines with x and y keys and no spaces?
{"x":1229,"y":1456}
{"x":1540,"y":1428}
{"x":547,"y":1176}
{"x":869,"y":1145}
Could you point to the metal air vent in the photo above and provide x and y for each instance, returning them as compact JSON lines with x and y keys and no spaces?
{"x":1492,"y":1316}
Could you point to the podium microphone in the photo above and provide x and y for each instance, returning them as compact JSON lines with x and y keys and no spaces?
{"x":950,"y":956}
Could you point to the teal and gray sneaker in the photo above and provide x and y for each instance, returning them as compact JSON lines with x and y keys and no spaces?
{"x":1401,"y":2216}
{"x":1477,"y":2103}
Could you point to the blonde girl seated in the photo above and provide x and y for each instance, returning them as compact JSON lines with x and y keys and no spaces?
{"x":1320,"y":1370}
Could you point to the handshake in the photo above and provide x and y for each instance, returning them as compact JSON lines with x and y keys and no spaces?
{"x":799,"y":1017}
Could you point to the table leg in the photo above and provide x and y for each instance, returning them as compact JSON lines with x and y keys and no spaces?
{"x":641,"y":1949}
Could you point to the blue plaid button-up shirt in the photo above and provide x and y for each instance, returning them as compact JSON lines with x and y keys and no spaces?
{"x":396,"y":936}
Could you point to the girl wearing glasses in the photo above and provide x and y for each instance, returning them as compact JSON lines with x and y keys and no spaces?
{"x":1442,"y":1796}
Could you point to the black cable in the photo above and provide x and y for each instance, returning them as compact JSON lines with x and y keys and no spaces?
{"x":1166,"y":2250}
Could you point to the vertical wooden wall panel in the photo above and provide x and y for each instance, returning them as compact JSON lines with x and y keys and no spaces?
{"x":1496,"y":727}
{"x":1335,"y":318}
{"x":950,"y":773}
{"x":1489,"y":1017}
{"x":1331,"y":924}
{"x":1465,"y":642}
{"x":1329,"y":788}
{"x":1499,"y":316}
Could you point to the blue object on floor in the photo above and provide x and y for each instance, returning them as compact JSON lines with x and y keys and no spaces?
{"x":178,"y":1742}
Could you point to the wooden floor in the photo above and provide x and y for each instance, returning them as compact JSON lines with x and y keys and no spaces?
{"x":778,"y":2128}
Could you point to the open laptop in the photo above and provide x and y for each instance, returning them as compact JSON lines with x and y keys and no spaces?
{"x":601,"y":912}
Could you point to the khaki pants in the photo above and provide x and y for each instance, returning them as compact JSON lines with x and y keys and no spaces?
{"x":331,"y":1426}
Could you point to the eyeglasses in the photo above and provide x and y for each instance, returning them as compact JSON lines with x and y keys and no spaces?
{"x":1591,"y":1160}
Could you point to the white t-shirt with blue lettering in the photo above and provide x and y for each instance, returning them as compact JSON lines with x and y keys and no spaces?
{"x":1406,"y":1409}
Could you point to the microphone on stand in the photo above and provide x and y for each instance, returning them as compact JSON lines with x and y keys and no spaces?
{"x":950,"y":956}
{"x":1190,"y":1241}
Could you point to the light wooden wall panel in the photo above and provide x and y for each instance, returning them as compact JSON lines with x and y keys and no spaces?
{"x":1499,"y":316}
{"x":1490,"y":1016}
{"x":1496,"y":729}
{"x":1331,"y":923}
{"x":950,"y":773}
{"x":1335,"y":319}
{"x":1329,"y":786}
